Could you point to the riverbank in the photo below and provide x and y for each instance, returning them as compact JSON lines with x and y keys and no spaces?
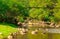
{"x":42,"y":24}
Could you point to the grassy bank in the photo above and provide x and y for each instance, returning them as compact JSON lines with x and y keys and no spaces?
{"x":6,"y":29}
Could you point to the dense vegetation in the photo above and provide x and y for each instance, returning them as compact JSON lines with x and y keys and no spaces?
{"x":20,"y":10}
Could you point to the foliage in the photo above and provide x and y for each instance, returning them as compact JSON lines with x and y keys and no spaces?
{"x":34,"y":9}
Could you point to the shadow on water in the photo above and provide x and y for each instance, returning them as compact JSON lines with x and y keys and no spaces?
{"x":50,"y":36}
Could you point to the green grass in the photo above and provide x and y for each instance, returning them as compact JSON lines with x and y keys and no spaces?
{"x":6,"y":29}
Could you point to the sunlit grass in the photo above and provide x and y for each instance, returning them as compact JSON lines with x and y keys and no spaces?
{"x":6,"y":29}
